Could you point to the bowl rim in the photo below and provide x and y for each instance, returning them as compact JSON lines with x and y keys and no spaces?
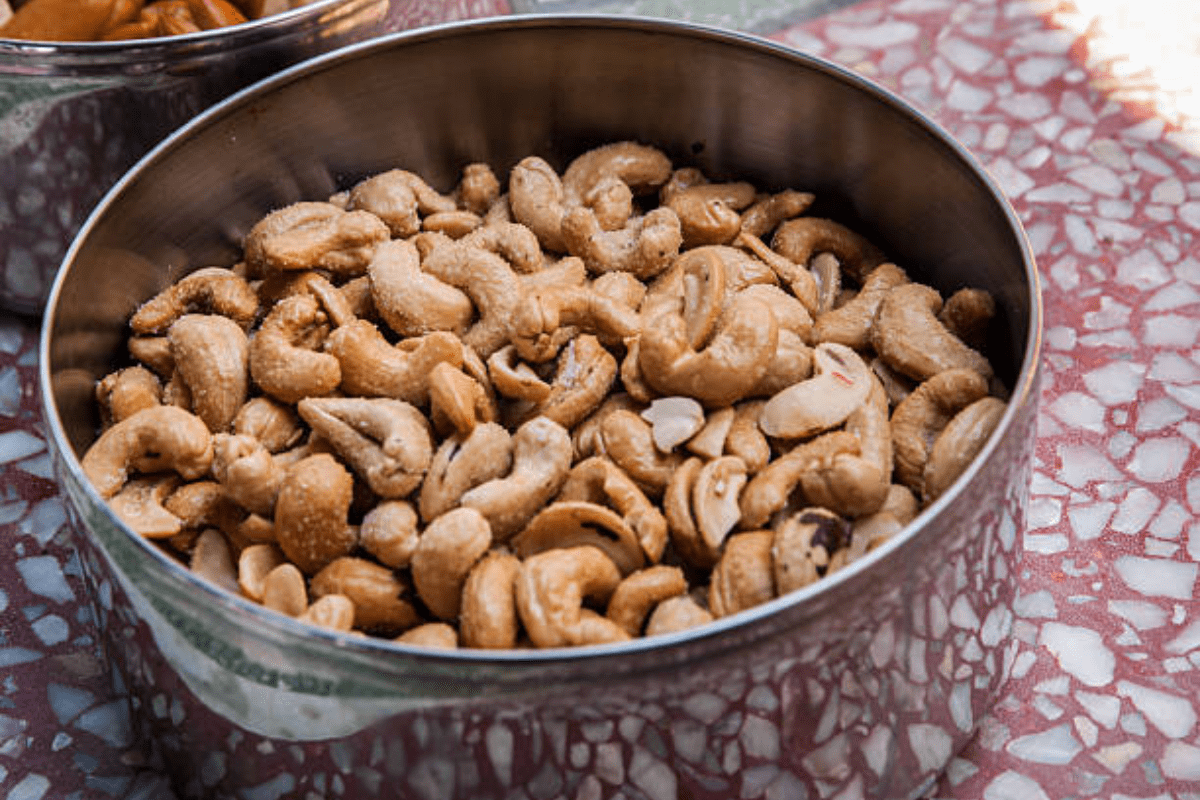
{"x":124,"y":52}
{"x":712,"y":633}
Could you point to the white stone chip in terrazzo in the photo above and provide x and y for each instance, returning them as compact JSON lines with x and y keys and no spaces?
{"x":1171,"y":714}
{"x":1011,"y":785}
{"x":1115,"y":758}
{"x":1157,"y":577}
{"x":1054,"y":746}
{"x":32,"y":787}
{"x":1080,"y":651}
{"x":43,"y":576}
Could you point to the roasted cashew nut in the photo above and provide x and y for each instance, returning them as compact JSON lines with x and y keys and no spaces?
{"x":797,"y":277}
{"x":745,"y":439}
{"x":212,"y":560}
{"x":967,"y":313}
{"x":478,"y":189}
{"x":370,"y":366}
{"x":385,"y":441}
{"x":585,"y":373}
{"x":908,"y":336}
{"x":537,"y":200}
{"x":673,"y":421}
{"x":575,"y":523}
{"x":438,"y":635}
{"x":457,"y":401}
{"x":389,"y":532}
{"x":126,"y":392}
{"x":247,"y":472}
{"x":212,"y":358}
{"x":410,"y":301}
{"x":166,"y":436}
{"x":540,"y":463}
{"x":628,"y":440}
{"x":140,"y":505}
{"x":918,"y":420}
{"x":281,"y":362}
{"x":678,"y":613}
{"x":899,"y":508}
{"x":598,"y":480}
{"x":709,"y":213}
{"x":709,"y":441}
{"x":446,"y":552}
{"x":255,"y":563}
{"x":726,"y":370}
{"x":702,"y":507}
{"x":487,"y":615}
{"x":514,"y":378}
{"x":645,"y":246}
{"x":959,"y":442}
{"x":769,"y":490}
{"x":399,"y":198}
{"x":311,"y":513}
{"x":766,"y":214}
{"x":312,"y":235}
{"x":803,"y":547}
{"x":272,"y":423}
{"x":462,"y":463}
{"x":851,"y":324}
{"x":491,"y":284}
{"x":638,"y":167}
{"x":209,"y":290}
{"x":841,"y":384}
{"x":513,"y":242}
{"x":744,"y":575}
{"x":798,"y":240}
{"x":791,"y":363}
{"x":551,"y":588}
{"x":638,"y":594}
{"x":154,"y":352}
{"x":544,"y":312}
{"x":378,"y":595}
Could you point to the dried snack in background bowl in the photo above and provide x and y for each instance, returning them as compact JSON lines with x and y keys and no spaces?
{"x":114,"y":20}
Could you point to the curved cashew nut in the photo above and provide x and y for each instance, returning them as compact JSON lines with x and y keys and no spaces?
{"x":126,"y":392}
{"x":804,"y":545}
{"x":284,"y":590}
{"x":439,"y":635}
{"x":855,"y":485}
{"x":371,"y":366}
{"x":917,"y":421}
{"x":798,"y":240}
{"x":389,"y":533}
{"x":790,"y":313}
{"x":702,"y":507}
{"x":645,"y":246}
{"x":791,"y":363}
{"x":850,"y":324}
{"x":272,"y":423}
{"x":314,"y":235}
{"x":620,"y":287}
{"x":841,"y":385}
{"x":551,"y":588}
{"x":640,"y":592}
{"x":457,"y":401}
{"x":585,"y":373}
{"x":575,"y":523}
{"x":212,"y":560}
{"x":545,"y":311}
{"x":212,"y":358}
{"x":967,"y":313}
{"x":204,"y":504}
{"x":174,"y":439}
{"x":460,"y":464}
{"x":490,"y":283}
{"x":709,"y":441}
{"x":514,"y":378}
{"x":379,"y":597}
{"x":154,"y":352}
{"x":766,"y":214}
{"x":709,"y":213}
{"x":399,"y":198}
{"x":959,"y":442}
{"x":140,"y":505}
{"x":537,"y":200}
{"x":311,"y":513}
{"x":909,"y":338}
{"x":512,"y":241}
{"x":409,"y":301}
{"x":487,"y":615}
{"x":769,"y":490}
{"x":247,"y":472}
{"x":798,"y":278}
{"x":332,"y":611}
{"x":446,"y":552}
{"x":255,"y":563}
{"x":385,"y":441}
{"x":744,"y":576}
{"x":209,"y":290}
{"x":478,"y":189}
{"x":678,"y":613}
{"x":280,"y":362}
{"x":540,"y":463}
{"x":586,"y":438}
{"x":640,"y":167}
{"x":455,"y":224}
{"x":628,"y":440}
{"x":745,"y":439}
{"x":600,"y":481}
{"x":726,"y":370}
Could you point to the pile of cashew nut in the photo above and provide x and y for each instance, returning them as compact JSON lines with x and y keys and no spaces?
{"x":621,"y":401}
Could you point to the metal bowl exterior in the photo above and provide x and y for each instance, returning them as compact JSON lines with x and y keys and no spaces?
{"x":75,"y":116}
{"x":862,"y":685}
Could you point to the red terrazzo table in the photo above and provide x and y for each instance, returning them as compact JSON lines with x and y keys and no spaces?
{"x":1096,"y":150}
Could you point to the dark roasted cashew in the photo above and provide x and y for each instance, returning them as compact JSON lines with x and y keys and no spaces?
{"x":551,"y":588}
{"x":841,"y":384}
{"x":379,"y":597}
{"x":744,"y":575}
{"x":803,"y":546}
{"x":726,"y":370}
{"x":371,"y":366}
{"x":212,"y":358}
{"x":598,"y":480}
{"x":766,"y":214}
{"x":310,"y":235}
{"x":487,"y":615}
{"x":540,"y":463}
{"x":575,"y":523}
{"x":967,"y":313}
{"x":385,"y":441}
{"x":311,"y":513}
{"x":446,"y":552}
{"x":210,"y":290}
{"x":410,"y":301}
{"x":918,"y":420}
{"x":282,"y":363}
{"x":639,"y":593}
{"x":909,"y":338}
{"x":959,"y":442}
{"x":171,"y":437}
{"x":460,"y":464}
{"x":800,"y":239}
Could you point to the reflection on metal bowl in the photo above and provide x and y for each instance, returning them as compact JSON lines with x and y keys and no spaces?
{"x":863,"y":684}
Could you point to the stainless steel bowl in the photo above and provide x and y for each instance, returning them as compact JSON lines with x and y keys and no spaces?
{"x":74,"y":116}
{"x":862,"y":685}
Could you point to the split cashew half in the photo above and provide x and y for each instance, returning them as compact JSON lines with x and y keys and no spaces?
{"x":841,"y":384}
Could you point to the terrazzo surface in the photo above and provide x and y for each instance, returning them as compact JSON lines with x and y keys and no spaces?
{"x":1084,"y":114}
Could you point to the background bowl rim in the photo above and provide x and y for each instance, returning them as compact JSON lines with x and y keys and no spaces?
{"x":1022,"y":391}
